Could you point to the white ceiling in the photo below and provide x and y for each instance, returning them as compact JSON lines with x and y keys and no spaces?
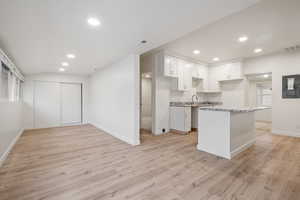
{"x":271,"y":25}
{"x":38,"y":33}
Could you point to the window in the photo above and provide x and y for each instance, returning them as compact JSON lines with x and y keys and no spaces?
{"x":9,"y":84}
{"x":264,"y":95}
{"x":4,"y":73}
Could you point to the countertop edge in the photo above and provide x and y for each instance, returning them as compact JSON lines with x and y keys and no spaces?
{"x":234,"y":110}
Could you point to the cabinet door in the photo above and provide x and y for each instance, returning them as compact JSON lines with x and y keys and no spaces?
{"x":214,"y":76}
{"x":234,"y":70}
{"x":170,"y":66}
{"x":229,"y":71}
{"x":188,"y":82}
{"x":180,"y":118}
{"x":199,"y":71}
{"x":180,"y":75}
{"x":188,"y":119}
{"x":177,"y":118}
{"x":184,"y":76}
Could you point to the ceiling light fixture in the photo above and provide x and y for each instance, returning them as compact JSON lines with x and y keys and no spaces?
{"x":258,"y":50}
{"x":71,"y":56}
{"x":216,"y":59}
{"x":243,"y":39}
{"x":266,"y":76}
{"x":93,"y":21}
{"x":62,"y":69}
{"x":196,"y":52}
{"x":65,"y":64}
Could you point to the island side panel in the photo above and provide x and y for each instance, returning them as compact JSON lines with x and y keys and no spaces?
{"x":242,"y":131}
{"x":214,"y":132}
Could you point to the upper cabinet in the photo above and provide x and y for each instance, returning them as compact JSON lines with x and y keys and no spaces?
{"x":188,"y":74}
{"x":199,"y":71}
{"x":185,"y":76}
{"x":170,"y":66}
{"x":230,"y":71}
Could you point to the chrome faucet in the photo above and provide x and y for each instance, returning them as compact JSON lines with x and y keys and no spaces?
{"x":197,"y":98}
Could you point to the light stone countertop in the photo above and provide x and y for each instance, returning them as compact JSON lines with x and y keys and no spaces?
{"x":231,"y":109}
{"x":195,"y":104}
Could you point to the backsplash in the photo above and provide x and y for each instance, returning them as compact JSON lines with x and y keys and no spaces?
{"x":177,"y":96}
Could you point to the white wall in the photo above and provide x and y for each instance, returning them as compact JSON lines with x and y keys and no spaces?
{"x":160,"y":96}
{"x":176,"y":96}
{"x":28,"y":88}
{"x":285,"y":112}
{"x":10,"y":126}
{"x":114,"y":99}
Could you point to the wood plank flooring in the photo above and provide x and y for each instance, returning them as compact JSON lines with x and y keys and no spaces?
{"x":82,"y":162}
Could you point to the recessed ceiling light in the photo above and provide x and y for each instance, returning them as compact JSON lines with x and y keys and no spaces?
{"x":71,"y":56}
{"x":62,"y":69}
{"x":216,"y":59}
{"x":93,"y":21}
{"x":65,"y":64}
{"x":243,"y":39}
{"x":258,"y":50}
{"x":266,"y":75}
{"x":196,"y":52}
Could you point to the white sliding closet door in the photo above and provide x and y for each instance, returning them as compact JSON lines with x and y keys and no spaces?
{"x":46,"y":104}
{"x":71,"y":103}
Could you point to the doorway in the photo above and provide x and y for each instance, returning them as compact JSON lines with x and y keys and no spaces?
{"x":260,"y":95}
{"x":146,"y":105}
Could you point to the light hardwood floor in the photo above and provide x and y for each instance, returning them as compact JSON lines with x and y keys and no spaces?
{"x":82,"y":162}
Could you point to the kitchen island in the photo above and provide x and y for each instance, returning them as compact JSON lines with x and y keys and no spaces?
{"x":224,"y":131}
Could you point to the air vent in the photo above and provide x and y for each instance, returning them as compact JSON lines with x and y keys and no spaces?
{"x":293,"y":48}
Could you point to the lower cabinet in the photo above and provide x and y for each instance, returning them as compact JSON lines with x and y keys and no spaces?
{"x":180,"y":118}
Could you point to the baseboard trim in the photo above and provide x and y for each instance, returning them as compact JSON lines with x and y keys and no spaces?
{"x":10,"y":147}
{"x":285,"y":133}
{"x":134,"y":143}
{"x":264,"y":121}
{"x":69,"y":125}
{"x":242,"y":148}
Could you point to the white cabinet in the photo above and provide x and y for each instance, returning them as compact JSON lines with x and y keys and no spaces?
{"x":220,"y":73}
{"x":170,"y":66}
{"x":185,"y":72}
{"x":180,"y":118}
{"x":199,"y":72}
{"x":184,"y":76}
{"x":215,"y":73}
{"x":184,"y":80}
{"x":230,"y":71}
